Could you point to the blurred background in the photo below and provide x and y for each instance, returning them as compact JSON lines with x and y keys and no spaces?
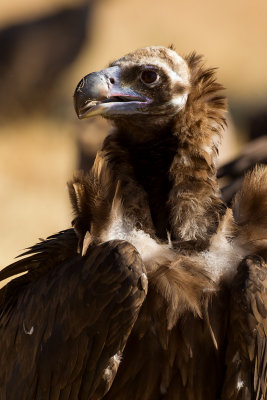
{"x":47,"y":46}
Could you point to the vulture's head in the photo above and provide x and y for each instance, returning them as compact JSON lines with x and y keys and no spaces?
{"x":149,"y":88}
{"x":153,"y":81}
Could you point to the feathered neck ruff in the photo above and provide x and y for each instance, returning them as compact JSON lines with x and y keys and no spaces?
{"x":194,"y":200}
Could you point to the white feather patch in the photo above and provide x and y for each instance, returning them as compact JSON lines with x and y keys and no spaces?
{"x":114,"y":363}
{"x":147,"y":247}
{"x":240,"y":384}
{"x":206,"y":148}
{"x":179,"y":101}
{"x":222,"y":258}
{"x":27,"y":331}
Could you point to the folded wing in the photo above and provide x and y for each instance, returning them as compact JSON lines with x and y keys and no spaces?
{"x":62,"y":334}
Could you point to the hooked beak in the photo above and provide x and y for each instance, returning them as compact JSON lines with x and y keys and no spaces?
{"x":101,"y":93}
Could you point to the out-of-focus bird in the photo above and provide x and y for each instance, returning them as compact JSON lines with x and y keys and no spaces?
{"x":35,"y":53}
{"x":83,"y":325}
{"x":254,"y":123}
{"x":253,"y":153}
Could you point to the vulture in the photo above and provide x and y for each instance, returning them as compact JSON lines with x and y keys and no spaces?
{"x":158,"y":291}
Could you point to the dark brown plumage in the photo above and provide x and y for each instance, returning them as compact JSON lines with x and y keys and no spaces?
{"x":149,"y":210}
{"x":62,"y":324}
{"x":246,"y":356}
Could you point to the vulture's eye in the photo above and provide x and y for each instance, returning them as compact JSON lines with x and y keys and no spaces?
{"x":149,"y":76}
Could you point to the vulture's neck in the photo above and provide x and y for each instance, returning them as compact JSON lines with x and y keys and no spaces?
{"x":151,"y":161}
{"x":176,"y":169}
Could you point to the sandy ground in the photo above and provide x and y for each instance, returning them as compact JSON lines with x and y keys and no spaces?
{"x":38,"y":157}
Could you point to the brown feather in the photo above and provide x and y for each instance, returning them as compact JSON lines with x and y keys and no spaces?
{"x":246,"y":376}
{"x":250,"y":212}
{"x":196,"y":208}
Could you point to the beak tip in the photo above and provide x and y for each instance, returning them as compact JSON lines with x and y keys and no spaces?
{"x":76,"y":106}
{"x":79,"y":113}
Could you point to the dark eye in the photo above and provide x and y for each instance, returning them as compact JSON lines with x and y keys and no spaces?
{"x":149,"y":76}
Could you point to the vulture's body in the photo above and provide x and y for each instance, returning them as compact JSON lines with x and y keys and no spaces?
{"x":154,"y":305}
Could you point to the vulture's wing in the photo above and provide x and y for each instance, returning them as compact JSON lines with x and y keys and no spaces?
{"x":44,"y":255}
{"x":246,"y":376}
{"x":63,"y":333}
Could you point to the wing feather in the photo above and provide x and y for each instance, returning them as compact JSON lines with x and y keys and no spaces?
{"x":62,"y":334}
{"x":44,"y":255}
{"x":246,"y":376}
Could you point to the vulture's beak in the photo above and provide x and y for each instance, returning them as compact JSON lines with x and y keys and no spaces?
{"x":102,"y":93}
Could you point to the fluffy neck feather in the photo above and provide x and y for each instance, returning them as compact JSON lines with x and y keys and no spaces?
{"x":196,"y":208}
